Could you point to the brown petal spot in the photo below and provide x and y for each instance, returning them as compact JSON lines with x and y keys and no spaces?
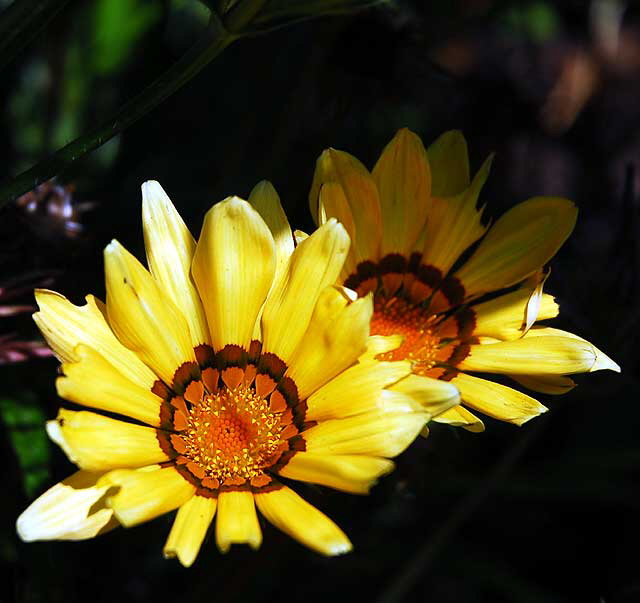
{"x":260,"y":480}
{"x":210,"y":379}
{"x":234,"y":481}
{"x":196,"y":469}
{"x":289,"y":431}
{"x":194,"y":392}
{"x":277,"y":403}
{"x":178,"y":443}
{"x":232,"y":376}
{"x":180,"y":421}
{"x":264,"y":385}
{"x":249,"y":374}
{"x":178,"y":403}
{"x":211,"y":482}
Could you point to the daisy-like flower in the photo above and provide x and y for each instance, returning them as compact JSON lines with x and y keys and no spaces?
{"x":227,"y":364}
{"x":464,"y":295}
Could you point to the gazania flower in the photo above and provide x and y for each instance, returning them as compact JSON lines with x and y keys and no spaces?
{"x":465,"y":296}
{"x":232,"y":362}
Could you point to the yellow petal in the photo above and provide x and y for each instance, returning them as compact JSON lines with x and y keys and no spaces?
{"x":143,"y":494}
{"x":547,"y":384}
{"x":349,"y":473}
{"x":362,"y":196}
{"x":96,"y":383}
{"x":534,"y":309}
{"x":602,"y":361}
{"x":315,"y":264}
{"x":355,"y":390}
{"x":454,"y":224}
{"x":433,"y":395}
{"x":511,"y":315}
{"x":376,"y":433}
{"x":65,"y":325}
{"x":496,"y":400}
{"x":403,"y":178}
{"x":237,"y":521}
{"x":142,"y":316}
{"x":300,"y":520}
{"x":170,"y":248}
{"x":381,"y":344}
{"x":189,"y":529}
{"x":521,"y":241}
{"x":449,"y":161}
{"x":233,"y":268}
{"x":70,"y":510}
{"x":458,"y":416}
{"x":299,"y":236}
{"x":543,"y":355}
{"x":97,"y":443}
{"x":266,"y":202}
{"x":333,"y":203}
{"x":391,"y":401}
{"x":336,"y":337}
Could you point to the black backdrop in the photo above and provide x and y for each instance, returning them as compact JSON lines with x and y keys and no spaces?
{"x":543,"y":513}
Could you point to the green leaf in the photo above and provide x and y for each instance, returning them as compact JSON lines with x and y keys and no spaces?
{"x":25,"y":425}
{"x":118,"y":26}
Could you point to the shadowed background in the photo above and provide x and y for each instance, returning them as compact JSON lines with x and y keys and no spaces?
{"x":543,"y":513}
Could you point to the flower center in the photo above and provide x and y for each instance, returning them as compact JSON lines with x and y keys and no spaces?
{"x":231,"y":419}
{"x":419,"y":327}
{"x":231,"y":434}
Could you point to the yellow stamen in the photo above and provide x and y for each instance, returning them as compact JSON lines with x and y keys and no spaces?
{"x":231,"y":434}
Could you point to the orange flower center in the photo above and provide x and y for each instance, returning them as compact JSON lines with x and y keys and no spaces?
{"x":231,"y":434}
{"x":418,"y":326}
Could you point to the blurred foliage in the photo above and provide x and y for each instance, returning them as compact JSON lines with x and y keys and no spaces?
{"x":233,"y":20}
{"x":23,"y":420}
{"x":537,"y":20}
{"x":58,"y":94}
{"x":117,"y":28}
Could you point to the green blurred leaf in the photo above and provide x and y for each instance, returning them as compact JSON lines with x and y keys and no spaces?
{"x":117,"y":28}
{"x":542,"y":21}
{"x":24,"y":423}
{"x":537,"y":21}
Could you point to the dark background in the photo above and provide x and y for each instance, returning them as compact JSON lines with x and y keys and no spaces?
{"x":545,"y":513}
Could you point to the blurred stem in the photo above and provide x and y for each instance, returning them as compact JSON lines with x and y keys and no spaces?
{"x":21,"y":22}
{"x":218,"y":37}
{"x":274,"y":18}
{"x":242,"y":13}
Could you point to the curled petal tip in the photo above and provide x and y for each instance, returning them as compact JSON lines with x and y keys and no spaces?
{"x":341,"y":548}
{"x":113,"y":246}
{"x":526,"y":418}
{"x":603,"y":362}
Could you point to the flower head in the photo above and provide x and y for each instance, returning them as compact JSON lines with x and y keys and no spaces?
{"x":464,"y":296}
{"x":230,"y":362}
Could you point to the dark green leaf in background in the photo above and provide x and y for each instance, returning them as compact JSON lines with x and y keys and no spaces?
{"x":24,"y":422}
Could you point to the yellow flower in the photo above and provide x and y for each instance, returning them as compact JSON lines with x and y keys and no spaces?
{"x":418,"y":243}
{"x":232,"y":361}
